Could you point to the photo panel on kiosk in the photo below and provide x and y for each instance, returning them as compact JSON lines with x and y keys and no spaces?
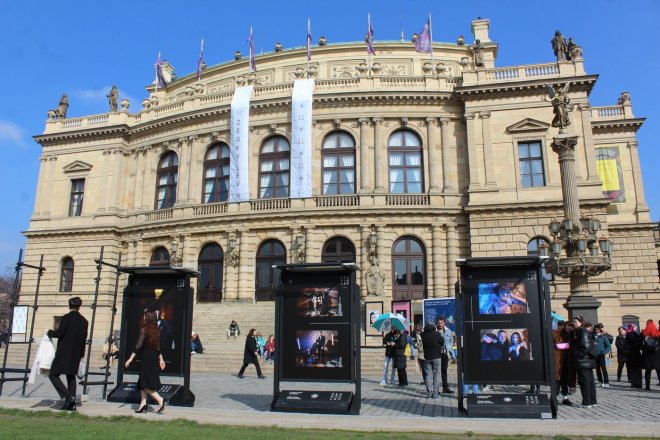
{"x":315,"y":343}
{"x":167,"y":298}
{"x":503,"y":329}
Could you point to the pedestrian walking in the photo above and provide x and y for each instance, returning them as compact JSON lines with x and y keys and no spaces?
{"x":251,"y":354}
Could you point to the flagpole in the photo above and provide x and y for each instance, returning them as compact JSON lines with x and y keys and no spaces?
{"x":250,"y":44}
{"x":201,"y":59}
{"x":431,"y":41}
{"x":369,"y":39}
{"x":309,"y":44}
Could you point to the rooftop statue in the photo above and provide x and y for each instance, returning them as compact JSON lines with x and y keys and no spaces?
{"x":574,"y":51}
{"x":478,"y":54}
{"x":559,"y":46}
{"x":60,"y":111}
{"x":113,"y":97}
{"x":560,"y":100}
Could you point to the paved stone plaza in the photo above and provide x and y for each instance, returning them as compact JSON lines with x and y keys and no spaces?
{"x":225,"y":399}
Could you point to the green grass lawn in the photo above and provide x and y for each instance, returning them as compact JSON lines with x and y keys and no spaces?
{"x":50,"y":425}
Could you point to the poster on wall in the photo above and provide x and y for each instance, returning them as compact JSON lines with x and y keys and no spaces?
{"x":437,"y":307}
{"x":19,"y":324}
{"x":372,"y":310}
{"x":403,"y":307}
{"x":610,"y":172}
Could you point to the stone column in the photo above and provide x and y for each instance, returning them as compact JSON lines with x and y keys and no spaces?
{"x":589,"y":154}
{"x":47,"y":200}
{"x":488,"y":150}
{"x":379,"y":156}
{"x":42,"y":187}
{"x":473,"y":156}
{"x":448,"y":166}
{"x":637,"y":180}
{"x":139,"y":177}
{"x":185,"y":163}
{"x":365,"y":183}
{"x":452,"y":256}
{"x":435,"y":166}
{"x":438,"y":257}
{"x":245,"y":272}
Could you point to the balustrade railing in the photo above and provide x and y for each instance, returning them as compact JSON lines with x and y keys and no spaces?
{"x":162,"y":214}
{"x":337,"y":201}
{"x":614,"y":111}
{"x":210,"y":209}
{"x":408,"y":200}
{"x":270,"y":204}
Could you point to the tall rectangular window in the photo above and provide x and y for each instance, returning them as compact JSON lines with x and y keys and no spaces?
{"x":77,"y":194}
{"x":530,"y":155}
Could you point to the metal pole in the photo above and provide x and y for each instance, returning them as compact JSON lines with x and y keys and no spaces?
{"x":12,"y":304}
{"x":99,"y":267}
{"x":34,"y":314}
{"x":112,"y":325}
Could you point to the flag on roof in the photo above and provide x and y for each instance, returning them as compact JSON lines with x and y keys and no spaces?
{"x":200,"y":61}
{"x":423,"y":43}
{"x":370,"y":37}
{"x":309,"y":40}
{"x":160,"y":78}
{"x":253,"y":63}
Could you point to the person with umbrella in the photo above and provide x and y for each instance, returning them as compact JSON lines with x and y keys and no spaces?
{"x":401,"y":340}
{"x":388,"y":322}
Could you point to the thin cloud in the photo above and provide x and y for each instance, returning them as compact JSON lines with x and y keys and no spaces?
{"x":13,"y":133}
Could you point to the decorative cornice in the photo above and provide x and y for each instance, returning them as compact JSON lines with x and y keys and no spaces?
{"x":616,"y":125}
{"x":535,"y":87}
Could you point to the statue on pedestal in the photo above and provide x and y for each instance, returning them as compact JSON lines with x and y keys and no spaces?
{"x":60,"y":111}
{"x":560,"y":100}
{"x":113,"y":98}
{"x":574,"y":51}
{"x":559,"y":46}
{"x":478,"y":54}
{"x":375,"y":278}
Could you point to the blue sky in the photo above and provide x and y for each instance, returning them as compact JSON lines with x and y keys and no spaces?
{"x":83,"y":47}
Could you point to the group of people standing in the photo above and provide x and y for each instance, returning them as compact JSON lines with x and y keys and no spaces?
{"x":580,"y":348}
{"x":434,"y":347}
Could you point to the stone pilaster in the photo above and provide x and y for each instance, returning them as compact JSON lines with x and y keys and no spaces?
{"x":452,"y":256}
{"x":365,"y":184}
{"x":435,"y":166}
{"x":473,"y":156}
{"x":488,"y":150}
{"x":139,"y":177}
{"x":641,"y":207}
{"x":590,"y":156}
{"x":380,"y":157}
{"x":448,"y":165}
{"x":437,"y":266}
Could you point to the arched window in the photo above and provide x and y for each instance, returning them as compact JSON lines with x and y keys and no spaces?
{"x":338,"y":164}
{"x":209,"y":281}
{"x":160,"y":257}
{"x":66,"y":275}
{"x":270,"y":253}
{"x":166,"y":180}
{"x":338,"y":250}
{"x":404,"y":151}
{"x":408,"y":269}
{"x":274,"y":168}
{"x":216,"y":174}
{"x":533,"y":248}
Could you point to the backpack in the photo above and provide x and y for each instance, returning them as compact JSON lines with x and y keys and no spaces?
{"x":609,"y":338}
{"x":650,"y":344}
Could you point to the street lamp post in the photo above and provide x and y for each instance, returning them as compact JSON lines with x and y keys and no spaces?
{"x":586,"y":253}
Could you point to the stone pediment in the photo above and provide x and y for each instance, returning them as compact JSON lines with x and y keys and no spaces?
{"x":528,"y":125}
{"x":77,"y":166}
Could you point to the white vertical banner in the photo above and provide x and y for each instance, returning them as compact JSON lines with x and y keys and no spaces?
{"x":239,"y":190}
{"x":301,"y":139}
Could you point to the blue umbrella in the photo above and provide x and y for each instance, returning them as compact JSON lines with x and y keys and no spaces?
{"x":387,"y":321}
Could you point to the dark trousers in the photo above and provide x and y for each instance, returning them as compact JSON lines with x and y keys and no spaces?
{"x":69,"y":390}
{"x":256,"y":365}
{"x":444,"y":364}
{"x":585,"y":377}
{"x":647,"y":377}
{"x":635,"y":375}
{"x":403,"y":376}
{"x":601,"y":369}
{"x":619,"y":369}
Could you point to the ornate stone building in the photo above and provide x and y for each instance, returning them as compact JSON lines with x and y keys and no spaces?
{"x":414,"y":164}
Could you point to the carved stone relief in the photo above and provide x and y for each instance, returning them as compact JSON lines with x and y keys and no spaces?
{"x":220,"y":87}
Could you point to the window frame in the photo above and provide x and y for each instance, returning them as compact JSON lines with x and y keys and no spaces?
{"x":530,"y":160}
{"x":338,"y":152}
{"x":76,"y":198}
{"x":275,"y":157}
{"x":410,"y":291}
{"x":214,"y":293}
{"x":172,"y":173}
{"x":66,"y":274}
{"x":340,"y":241}
{"x":406,"y":151}
{"x":218,"y":164}
{"x":161,"y":262}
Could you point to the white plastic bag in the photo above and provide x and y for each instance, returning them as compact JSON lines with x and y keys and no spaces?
{"x":81,"y":369}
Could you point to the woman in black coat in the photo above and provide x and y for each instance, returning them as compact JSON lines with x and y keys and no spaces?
{"x":621,"y":353}
{"x":585,"y":361}
{"x":400,"y":357}
{"x":251,"y":354}
{"x":634,"y":344}
{"x":151,"y":364}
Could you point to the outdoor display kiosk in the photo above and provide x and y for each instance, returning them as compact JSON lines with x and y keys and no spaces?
{"x":167,"y":291}
{"x":317,"y":329}
{"x":505,"y":336}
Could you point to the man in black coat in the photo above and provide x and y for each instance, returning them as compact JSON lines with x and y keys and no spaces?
{"x":585,"y":361}
{"x":72,"y":336}
{"x":434,"y":344}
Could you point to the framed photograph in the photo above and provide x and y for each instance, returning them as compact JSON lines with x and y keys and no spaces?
{"x":321,"y":353}
{"x":402,"y":307}
{"x":19,"y":325}
{"x":372,"y":310}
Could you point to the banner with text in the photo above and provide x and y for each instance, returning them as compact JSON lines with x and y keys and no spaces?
{"x":437,"y":307}
{"x":301,"y":139}
{"x":239,"y":190}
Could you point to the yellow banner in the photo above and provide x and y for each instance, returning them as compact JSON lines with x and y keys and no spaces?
{"x":607,"y":171}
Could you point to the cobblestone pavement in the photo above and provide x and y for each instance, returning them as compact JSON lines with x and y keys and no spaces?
{"x":225,"y":399}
